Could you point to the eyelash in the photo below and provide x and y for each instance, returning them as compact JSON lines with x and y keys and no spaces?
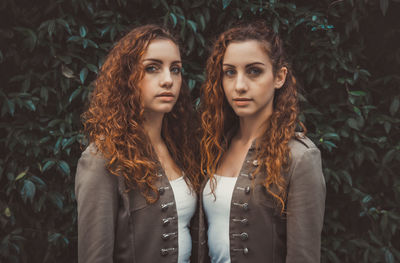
{"x":153,"y":68}
{"x":176,"y":70}
{"x":229,"y":72}
{"x":253,"y":71}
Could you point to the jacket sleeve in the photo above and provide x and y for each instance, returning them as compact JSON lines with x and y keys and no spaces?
{"x":305,"y":208}
{"x":97,"y":197}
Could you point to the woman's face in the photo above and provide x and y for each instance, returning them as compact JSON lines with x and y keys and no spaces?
{"x":162,"y":80}
{"x":248,"y":80}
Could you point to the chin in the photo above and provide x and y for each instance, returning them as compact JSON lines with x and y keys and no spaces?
{"x":243,"y":112}
{"x":165,"y":109}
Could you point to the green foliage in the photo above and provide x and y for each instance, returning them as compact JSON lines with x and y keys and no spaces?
{"x":347,"y":59}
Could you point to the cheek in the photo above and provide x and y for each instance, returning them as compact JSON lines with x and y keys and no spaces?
{"x":178,"y":81}
{"x":226,"y":88}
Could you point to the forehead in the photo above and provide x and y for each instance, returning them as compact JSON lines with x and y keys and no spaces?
{"x":246,"y":52}
{"x":162,"y":49}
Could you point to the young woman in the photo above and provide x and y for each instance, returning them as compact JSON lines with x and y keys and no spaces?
{"x":136,"y":182}
{"x":264,"y":200}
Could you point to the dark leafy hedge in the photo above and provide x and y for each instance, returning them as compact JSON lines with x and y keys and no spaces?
{"x":346,"y":54}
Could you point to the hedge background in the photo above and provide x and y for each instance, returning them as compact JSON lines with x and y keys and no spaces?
{"x":346,"y":54}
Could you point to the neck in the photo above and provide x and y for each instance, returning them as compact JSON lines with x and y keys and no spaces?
{"x":152,"y":126}
{"x":252,"y":127}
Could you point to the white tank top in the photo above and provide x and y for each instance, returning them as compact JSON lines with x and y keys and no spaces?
{"x":185,"y":206}
{"x":217,"y":213}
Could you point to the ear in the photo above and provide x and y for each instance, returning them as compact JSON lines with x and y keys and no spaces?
{"x":280,"y":78}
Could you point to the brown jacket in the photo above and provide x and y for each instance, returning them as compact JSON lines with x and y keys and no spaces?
{"x":119,"y":226}
{"x":257,"y":230}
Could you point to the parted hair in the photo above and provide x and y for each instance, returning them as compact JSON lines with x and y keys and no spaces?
{"x":115,"y":117}
{"x":219,"y":122}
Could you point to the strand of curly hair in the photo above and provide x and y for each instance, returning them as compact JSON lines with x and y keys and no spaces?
{"x":219,"y":121}
{"x":114,"y":119}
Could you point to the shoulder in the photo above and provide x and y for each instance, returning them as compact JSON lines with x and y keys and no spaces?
{"x":305,"y":161}
{"x":92,"y":170}
{"x":300,"y":145}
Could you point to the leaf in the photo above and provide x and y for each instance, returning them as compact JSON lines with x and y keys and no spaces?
{"x":193,"y":25}
{"x":202,"y":22}
{"x":357,"y":111}
{"x":51,"y":27}
{"x":85,"y":43}
{"x":28,"y":190}
{"x":73,"y":39}
{"x":11,"y":107}
{"x":353,"y":124}
{"x":348,"y":178}
{"x":331,"y":135}
{"x":366,"y":199}
{"x":358,"y":93}
{"x":92,"y":68}
{"x":68,"y":142}
{"x":44,"y":94}
{"x":53,"y":237}
{"x":226,"y":3}
{"x":39,"y":182}
{"x":384,"y":4}
{"x":82,"y":31}
{"x":48,"y":165}
{"x":239,"y":13}
{"x":21,"y":175}
{"x":394,"y":106}
{"x":74,"y":94}
{"x":174,"y":19}
{"x":388,"y":157}
{"x":91,"y":43}
{"x":389,"y":256}
{"x":64,"y":167}
{"x":83,"y":74}
{"x":65,"y":24}
{"x":7,"y":212}
{"x":275,"y":25}
{"x":57,"y":199}
{"x":29,"y":104}
{"x":67,"y":72}
{"x":191,"y":84}
{"x":190,"y":43}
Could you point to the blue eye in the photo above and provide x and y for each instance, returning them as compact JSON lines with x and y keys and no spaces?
{"x":176,"y":70}
{"x":229,"y":72}
{"x":254,"y":71}
{"x":151,"y":69}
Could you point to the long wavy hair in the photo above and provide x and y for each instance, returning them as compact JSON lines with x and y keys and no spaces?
{"x":114,"y":119}
{"x":219,"y":121}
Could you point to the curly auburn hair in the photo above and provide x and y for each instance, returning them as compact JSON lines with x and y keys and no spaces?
{"x":114,"y":119}
{"x":219,"y":121}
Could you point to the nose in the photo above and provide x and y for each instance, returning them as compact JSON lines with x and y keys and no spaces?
{"x":240,"y":84}
{"x":166,"y":79}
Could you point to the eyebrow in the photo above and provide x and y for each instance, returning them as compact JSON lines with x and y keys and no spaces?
{"x":160,"y":61}
{"x":248,"y":65}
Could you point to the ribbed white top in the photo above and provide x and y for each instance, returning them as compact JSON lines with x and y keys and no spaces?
{"x":217,"y":213}
{"x":185,"y":206}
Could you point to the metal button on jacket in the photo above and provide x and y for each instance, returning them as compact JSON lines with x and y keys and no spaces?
{"x":244,"y":236}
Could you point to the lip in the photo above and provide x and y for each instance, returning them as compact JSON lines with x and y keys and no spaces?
{"x":166,"y":94}
{"x":242,"y":101}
